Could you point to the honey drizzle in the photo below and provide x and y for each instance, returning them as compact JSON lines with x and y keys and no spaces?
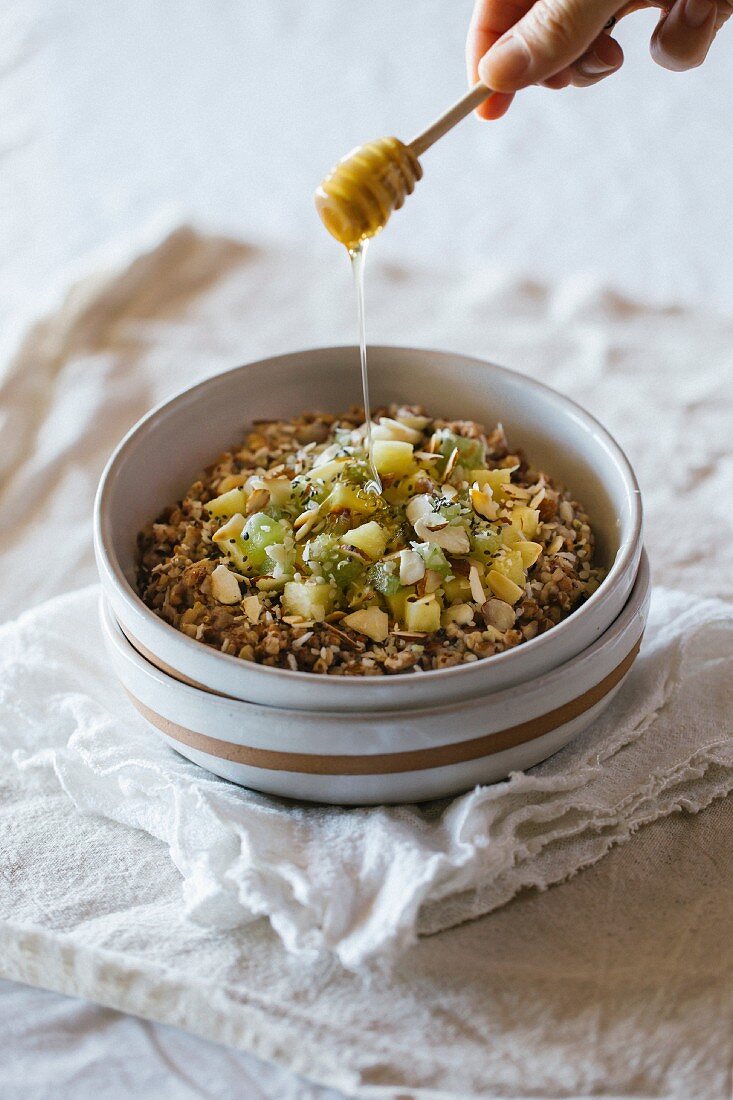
{"x":358,"y":256}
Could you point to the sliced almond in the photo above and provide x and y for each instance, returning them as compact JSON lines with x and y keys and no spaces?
{"x":393,"y":429}
{"x":305,"y":523}
{"x":224,"y":585}
{"x":460,"y":613}
{"x":352,"y":643}
{"x":252,"y":608}
{"x":451,"y":463}
{"x":258,"y":501}
{"x":454,"y":540}
{"x":482,"y":501}
{"x":498,"y":614}
{"x":412,"y":567}
{"x":477,"y":590}
{"x":418,"y":506}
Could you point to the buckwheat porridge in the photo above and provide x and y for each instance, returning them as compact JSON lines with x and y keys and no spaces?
{"x":279,"y":554}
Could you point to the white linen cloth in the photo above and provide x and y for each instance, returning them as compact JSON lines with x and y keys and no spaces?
{"x":360,"y":882}
{"x":90,"y":906}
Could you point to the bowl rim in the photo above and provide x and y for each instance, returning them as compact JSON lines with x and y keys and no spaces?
{"x":629,"y":547}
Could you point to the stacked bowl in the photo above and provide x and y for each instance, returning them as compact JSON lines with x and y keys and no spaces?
{"x":406,"y":737}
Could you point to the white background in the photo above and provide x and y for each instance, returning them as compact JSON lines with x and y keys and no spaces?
{"x":228,"y":112}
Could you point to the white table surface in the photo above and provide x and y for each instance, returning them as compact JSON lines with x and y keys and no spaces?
{"x":228,"y":113}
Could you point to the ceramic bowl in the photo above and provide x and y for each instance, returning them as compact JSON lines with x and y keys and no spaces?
{"x":166,"y":450}
{"x":388,"y":756}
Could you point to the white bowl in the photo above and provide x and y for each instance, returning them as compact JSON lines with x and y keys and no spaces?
{"x":166,"y":450}
{"x":392,"y":756}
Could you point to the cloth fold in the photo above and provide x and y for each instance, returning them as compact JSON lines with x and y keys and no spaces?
{"x":360,"y":884}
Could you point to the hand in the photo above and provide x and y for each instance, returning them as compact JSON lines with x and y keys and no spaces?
{"x":514,"y":43}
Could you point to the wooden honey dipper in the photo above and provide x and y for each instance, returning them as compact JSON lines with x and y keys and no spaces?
{"x":359,"y":194}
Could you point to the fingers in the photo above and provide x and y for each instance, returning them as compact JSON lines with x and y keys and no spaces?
{"x":683,"y":37}
{"x":548,"y":38}
{"x":603,"y":57}
{"x":490,"y":19}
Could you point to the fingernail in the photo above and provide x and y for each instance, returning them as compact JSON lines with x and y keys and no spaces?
{"x":593,"y":65}
{"x":506,"y":61}
{"x":696,"y":12}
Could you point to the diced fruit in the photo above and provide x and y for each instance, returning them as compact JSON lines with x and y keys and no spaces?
{"x":280,"y":491}
{"x":348,"y":498}
{"x":526,"y":519}
{"x":482,"y":501}
{"x":495,"y":479}
{"x":422,"y":614}
{"x":371,"y":621}
{"x":336,"y":563}
{"x":431,"y":582}
{"x":461,"y":613}
{"x":458,"y":588}
{"x":470,"y":451}
{"x":280,"y":560}
{"x":370,"y":538}
{"x":383,"y":578}
{"x":229,"y":540}
{"x":397,"y":602}
{"x":434,"y":558}
{"x":486,"y":544}
{"x":312,"y":601}
{"x":503,"y":587}
{"x":530,"y":552}
{"x":510,"y":536}
{"x":245,"y":543}
{"x":228,"y":504}
{"x":224,"y":585}
{"x":392,"y":456}
{"x":260,"y":532}
{"x":509,"y":562}
{"x":329,"y":471}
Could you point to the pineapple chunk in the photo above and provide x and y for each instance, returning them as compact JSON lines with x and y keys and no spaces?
{"x":280,"y":490}
{"x":397,"y":603}
{"x":329,"y":471}
{"x":526,"y":519}
{"x":312,"y":601}
{"x":228,"y":504}
{"x":495,"y":479}
{"x":503,"y":587}
{"x":530,"y":552}
{"x":371,"y":621}
{"x":510,"y":563}
{"x":392,"y":456}
{"x":370,"y":538}
{"x":422,"y":614}
{"x":345,"y":498}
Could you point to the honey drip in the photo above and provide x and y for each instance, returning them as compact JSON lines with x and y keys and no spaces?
{"x":358,"y":256}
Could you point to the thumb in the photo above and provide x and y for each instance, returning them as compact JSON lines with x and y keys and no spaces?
{"x":552,"y":35}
